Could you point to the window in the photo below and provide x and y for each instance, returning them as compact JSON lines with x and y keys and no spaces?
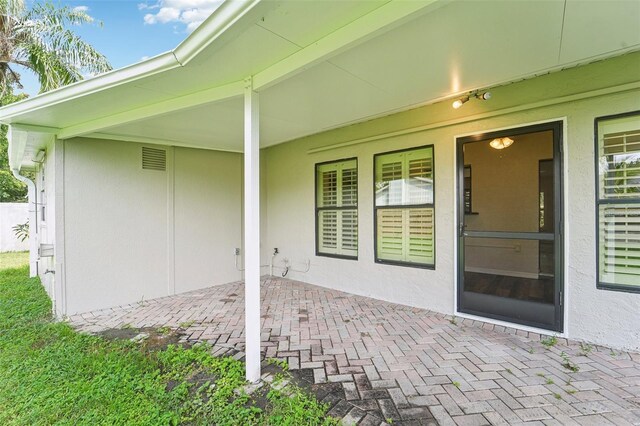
{"x":337,"y":209}
{"x":618,"y":201}
{"x":404,"y":207}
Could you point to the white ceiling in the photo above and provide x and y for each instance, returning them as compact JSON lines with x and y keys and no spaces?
{"x":460,"y":46}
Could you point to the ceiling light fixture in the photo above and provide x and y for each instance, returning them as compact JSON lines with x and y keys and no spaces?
{"x":501,"y":143}
{"x":461,"y":101}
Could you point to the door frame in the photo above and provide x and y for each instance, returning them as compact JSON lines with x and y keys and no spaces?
{"x":559,"y":126}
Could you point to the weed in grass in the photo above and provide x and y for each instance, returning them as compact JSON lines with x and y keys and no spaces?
{"x":540,"y":374}
{"x":187,"y":324}
{"x":50,"y":374}
{"x":126,"y":326}
{"x":279,"y":362}
{"x":613,"y":353}
{"x":389,"y":420}
{"x":164,"y":330}
{"x":557,"y":396}
{"x":549,"y":381}
{"x":456,"y":384}
{"x":508,"y":370}
{"x":531,"y":351}
{"x":453,"y":320}
{"x":549,"y":341}
{"x":570,"y":391}
{"x":585,"y":349}
{"x":568,"y":364}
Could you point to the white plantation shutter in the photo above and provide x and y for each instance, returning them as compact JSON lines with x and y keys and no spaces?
{"x":336,"y":208}
{"x":391,"y":234}
{"x":620,"y":244}
{"x":619,"y":201}
{"x":420,"y":245}
{"x":404,"y":207}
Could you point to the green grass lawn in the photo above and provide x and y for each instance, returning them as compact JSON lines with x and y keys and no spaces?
{"x":50,"y":374}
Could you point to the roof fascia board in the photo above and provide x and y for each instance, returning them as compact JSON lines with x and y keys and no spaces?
{"x":383,"y":19}
{"x":208,"y":96}
{"x":114,"y":78}
{"x":223,"y":22}
{"x":220,"y":22}
{"x":153,"y":141}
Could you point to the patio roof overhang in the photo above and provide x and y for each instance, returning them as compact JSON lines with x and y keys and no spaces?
{"x":321,"y":65}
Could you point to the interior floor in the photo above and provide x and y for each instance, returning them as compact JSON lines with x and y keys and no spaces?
{"x":534,"y":290}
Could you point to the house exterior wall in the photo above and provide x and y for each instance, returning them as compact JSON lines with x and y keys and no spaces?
{"x":576,"y":96}
{"x":12,"y":214}
{"x":132,"y":234}
{"x":45,"y":183}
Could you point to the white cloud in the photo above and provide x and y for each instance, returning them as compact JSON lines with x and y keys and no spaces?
{"x":84,"y":9}
{"x":190,"y":13}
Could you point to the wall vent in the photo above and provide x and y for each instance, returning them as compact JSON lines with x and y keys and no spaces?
{"x":154,"y":159}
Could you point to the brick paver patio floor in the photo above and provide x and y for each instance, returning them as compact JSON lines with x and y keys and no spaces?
{"x":375,"y":361}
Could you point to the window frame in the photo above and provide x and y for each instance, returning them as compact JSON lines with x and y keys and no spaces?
{"x":317,"y":210}
{"x":602,"y":201}
{"x":404,"y":207}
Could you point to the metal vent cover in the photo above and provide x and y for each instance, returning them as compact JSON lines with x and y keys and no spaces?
{"x":154,"y":159}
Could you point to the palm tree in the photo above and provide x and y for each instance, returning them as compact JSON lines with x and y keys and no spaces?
{"x":39,"y":39}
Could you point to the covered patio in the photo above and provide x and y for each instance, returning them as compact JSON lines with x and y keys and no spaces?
{"x":375,"y":361}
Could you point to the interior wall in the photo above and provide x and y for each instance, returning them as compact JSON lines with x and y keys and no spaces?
{"x":134,"y":234}
{"x":505,"y":196}
{"x":291,"y":211}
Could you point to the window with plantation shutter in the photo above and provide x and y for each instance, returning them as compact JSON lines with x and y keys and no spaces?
{"x":337,"y":209}
{"x":404,"y":207}
{"x":618,"y":200}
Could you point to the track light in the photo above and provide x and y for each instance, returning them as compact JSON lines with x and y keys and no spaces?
{"x":461,"y":101}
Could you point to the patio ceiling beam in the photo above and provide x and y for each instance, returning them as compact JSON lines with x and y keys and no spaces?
{"x":382,"y":19}
{"x":215,"y":94}
{"x":252,"y":231}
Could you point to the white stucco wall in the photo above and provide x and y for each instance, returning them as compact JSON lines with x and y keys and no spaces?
{"x":45,"y":182}
{"x":601,"y":316}
{"x":12,"y":214}
{"x":133,"y":234}
{"x":208,"y":217}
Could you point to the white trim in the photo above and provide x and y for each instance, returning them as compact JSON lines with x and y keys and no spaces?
{"x":475,"y":117}
{"x":565,"y":219}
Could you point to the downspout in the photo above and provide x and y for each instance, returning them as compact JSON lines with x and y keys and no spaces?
{"x":33,"y":221}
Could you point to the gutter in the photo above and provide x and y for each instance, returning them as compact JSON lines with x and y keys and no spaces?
{"x":33,"y":221}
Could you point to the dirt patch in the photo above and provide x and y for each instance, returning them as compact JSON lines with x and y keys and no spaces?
{"x":153,"y":339}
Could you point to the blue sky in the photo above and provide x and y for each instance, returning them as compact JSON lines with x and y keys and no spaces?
{"x":134,"y":29}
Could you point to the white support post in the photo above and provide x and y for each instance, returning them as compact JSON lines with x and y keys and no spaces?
{"x":252,"y":231}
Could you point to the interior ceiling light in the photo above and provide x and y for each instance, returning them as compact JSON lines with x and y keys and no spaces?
{"x":501,"y":143}
{"x":461,"y":101}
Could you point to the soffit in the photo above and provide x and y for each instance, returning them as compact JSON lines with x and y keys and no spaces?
{"x":458,"y":47}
